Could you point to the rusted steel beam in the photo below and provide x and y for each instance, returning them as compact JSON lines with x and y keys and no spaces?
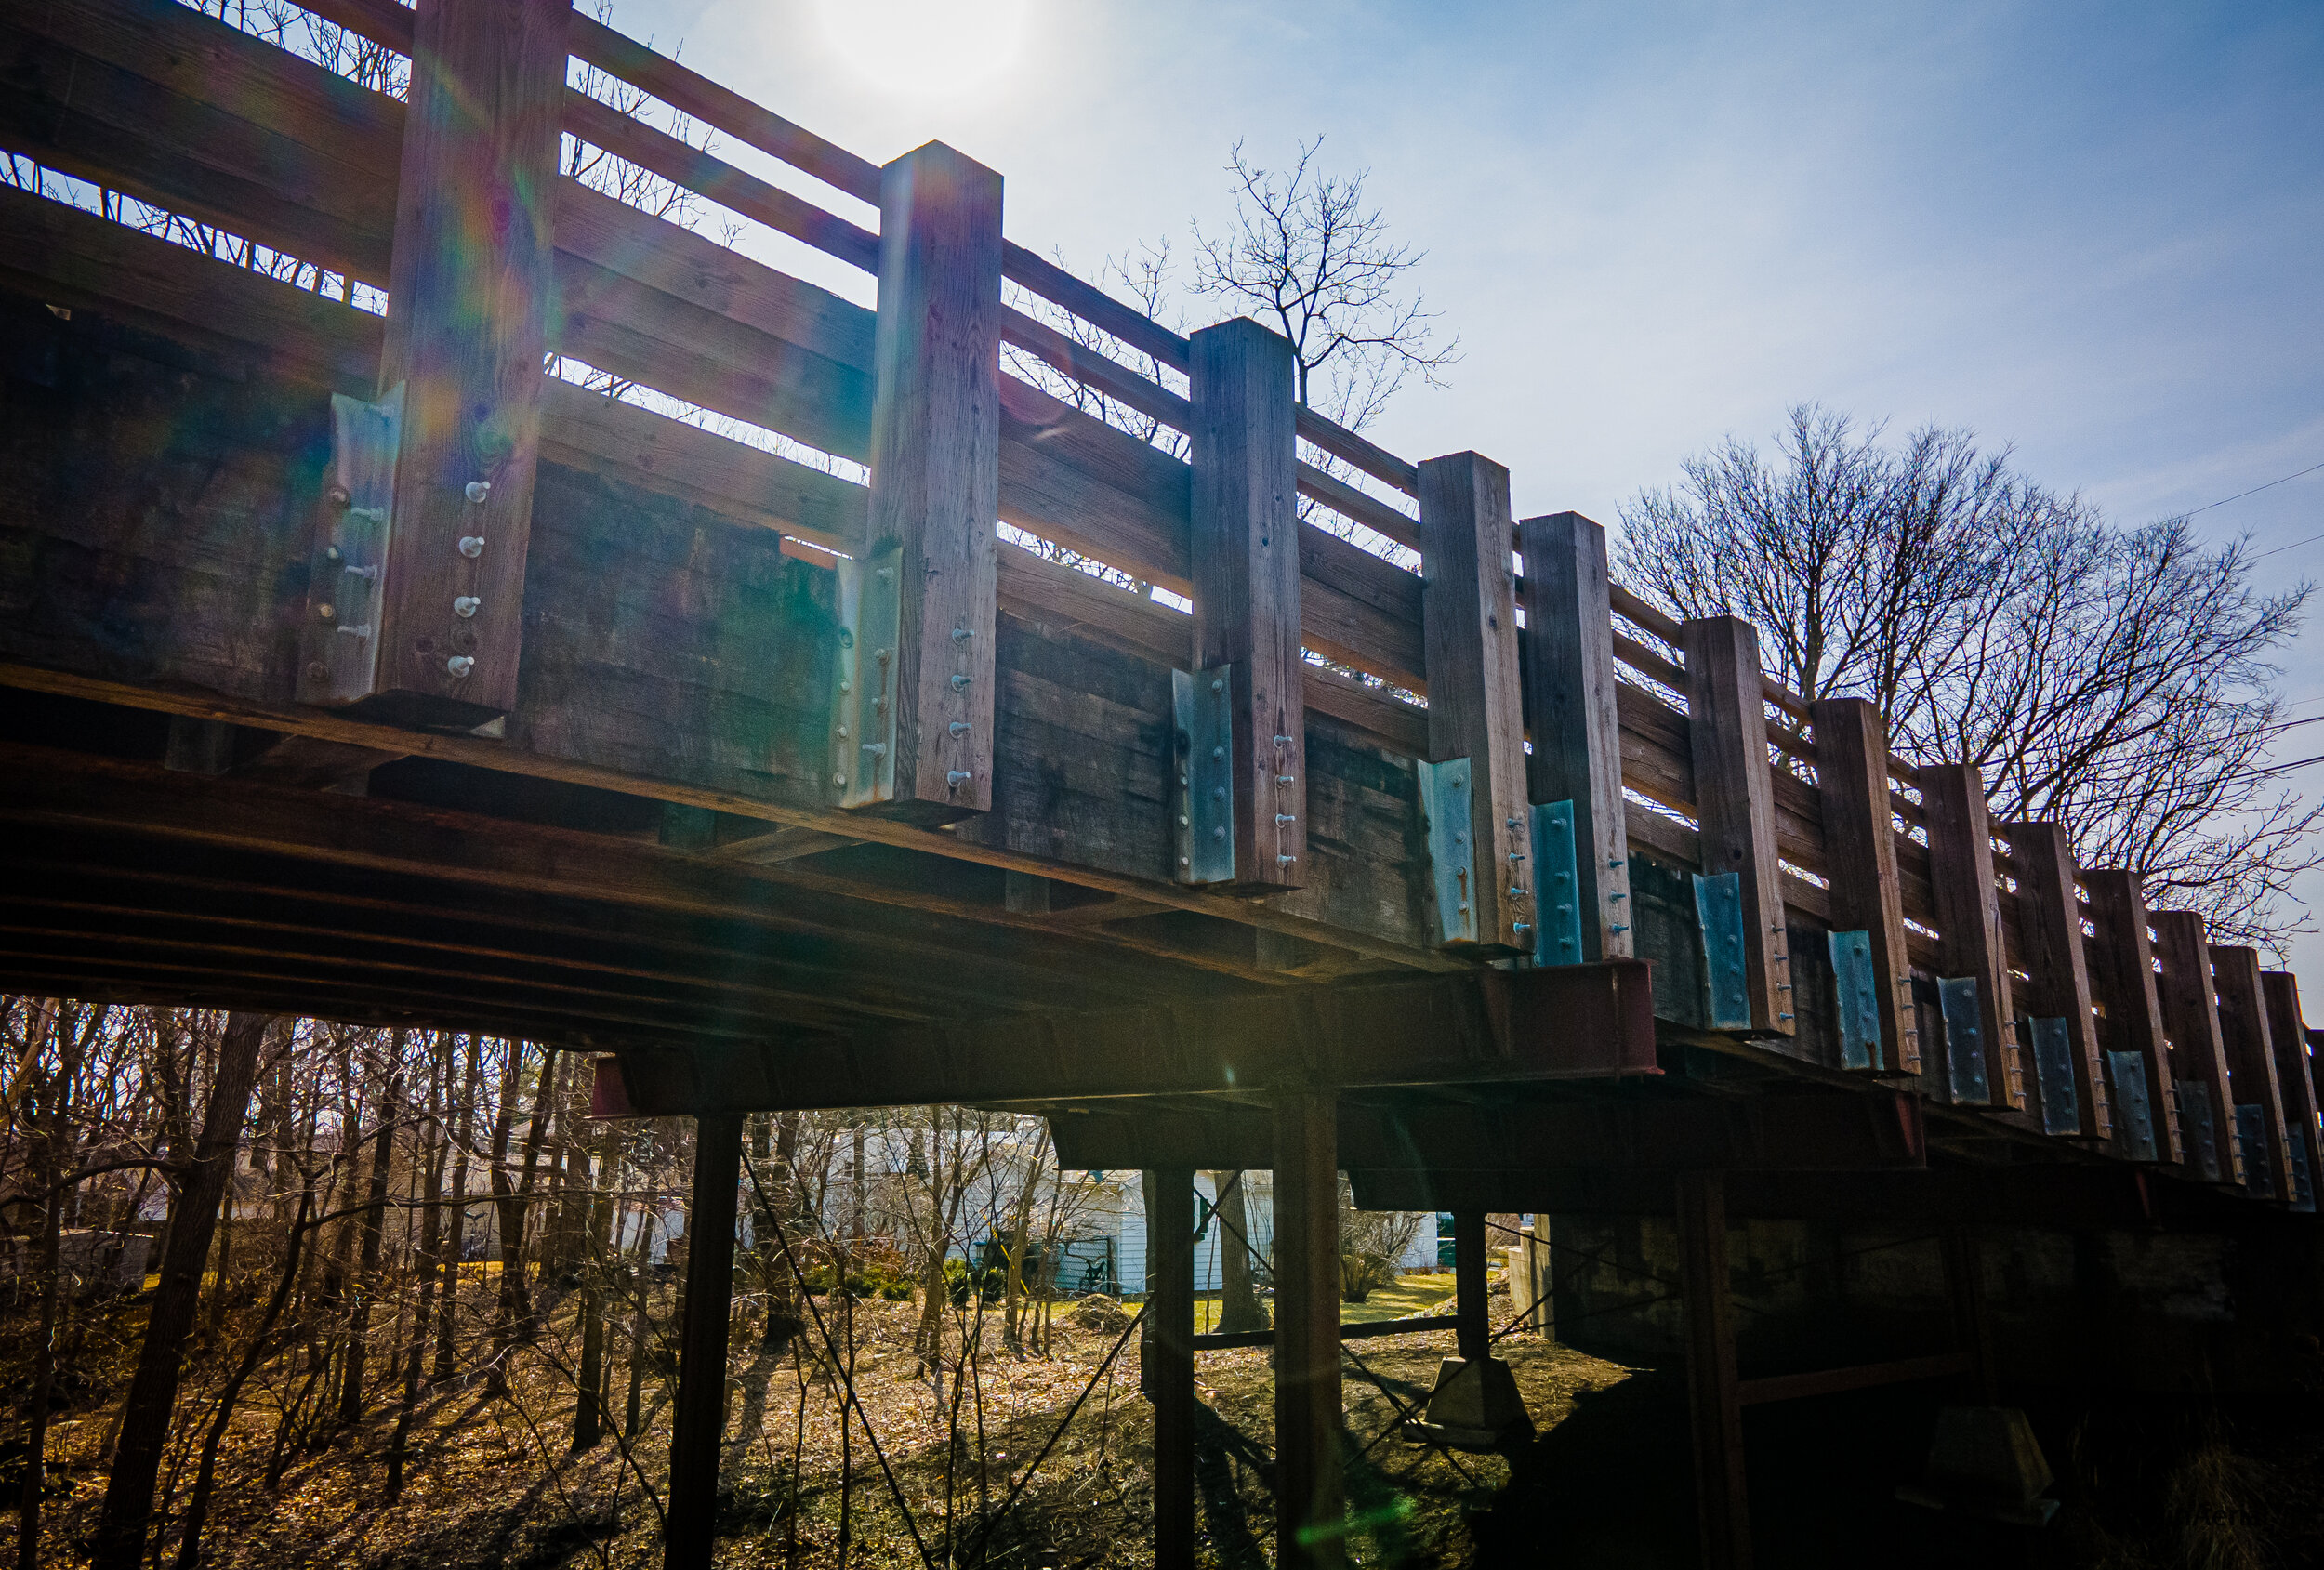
{"x":1836,"y":1132}
{"x":1583,"y":1022}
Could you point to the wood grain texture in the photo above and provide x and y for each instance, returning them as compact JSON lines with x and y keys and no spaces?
{"x":936,"y":470}
{"x":1308,"y":1417}
{"x":1245,"y":546}
{"x":467,"y":324}
{"x":2123,"y":979}
{"x":2190,"y":1015}
{"x":2058,"y":973}
{"x":2287,"y":1034}
{"x":1476,"y":707}
{"x":1966,"y":891}
{"x":1572,"y":714}
{"x":2243,"y":1028}
{"x":1861,"y":846}
{"x":1734,"y":798}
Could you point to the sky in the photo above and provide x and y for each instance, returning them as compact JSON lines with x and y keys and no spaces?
{"x":2092,"y":231}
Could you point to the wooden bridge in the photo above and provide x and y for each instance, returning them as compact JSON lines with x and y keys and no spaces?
{"x":351,"y":666}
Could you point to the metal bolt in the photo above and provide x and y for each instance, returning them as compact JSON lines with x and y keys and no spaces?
{"x":960,"y":635}
{"x":460,"y":665}
{"x":1218,"y":686}
{"x":340,"y":498}
{"x":1617,"y":861}
{"x":1283,"y":741}
{"x":1284,"y":860}
{"x":1183,"y":820}
{"x":471,"y":546}
{"x":843,"y":732}
{"x":1516,"y":823}
{"x":881,"y":655}
{"x":1218,"y":834}
{"x":478,"y":490}
{"x":960,"y":683}
{"x":1217,"y":752}
{"x":324,"y":612}
{"x":843,"y":684}
{"x":838,"y":779}
{"x":957,"y":776}
{"x":1521,"y":926}
{"x":352,"y":570}
{"x":1516,"y":893}
{"x":330,"y":553}
{"x":1617,"y":896}
{"x":1565,"y":910}
{"x":1617,"y":928}
{"x":1565,"y":942}
{"x":1286,"y":818}
{"x":1185,"y":861}
{"x":1783,"y":1016}
{"x":1516,"y":855}
{"x":465,"y":606}
{"x":1286,"y":779}
{"x":960,"y":727}
{"x":363,"y":631}
{"x":877,"y":749}
{"x":317,"y":671}
{"x":883,"y":574}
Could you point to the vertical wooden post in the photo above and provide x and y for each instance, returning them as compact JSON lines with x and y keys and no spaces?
{"x":1308,"y":1489}
{"x":1244,"y":557}
{"x":698,"y":1426}
{"x":1860,"y":857}
{"x":1471,"y":1263}
{"x":1721,"y":1506}
{"x":1169,"y":1375}
{"x":2190,"y":1016}
{"x":935,"y":477}
{"x":1475,"y":710}
{"x":1972,"y":1328}
{"x":2252,"y":1056}
{"x":1567,"y":654}
{"x":1969,"y":912}
{"x":468,"y":302}
{"x":2122,"y":978}
{"x":2058,"y":976}
{"x":1735,"y":802}
{"x":2288,"y":1033}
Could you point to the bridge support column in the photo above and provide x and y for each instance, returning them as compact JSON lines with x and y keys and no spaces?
{"x":1722,"y":1507}
{"x":699,"y":1425}
{"x":1735,"y":798}
{"x":1310,"y":1492}
{"x":1168,"y":1352}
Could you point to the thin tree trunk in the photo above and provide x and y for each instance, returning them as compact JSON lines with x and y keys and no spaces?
{"x":128,"y":1505}
{"x":415,"y":1352}
{"x":470,"y":1077}
{"x":1239,"y":1308}
{"x":54,"y":1158}
{"x":589,"y":1405}
{"x":374,"y":1226}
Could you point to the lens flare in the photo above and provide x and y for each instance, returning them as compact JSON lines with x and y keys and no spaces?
{"x":927,"y":47}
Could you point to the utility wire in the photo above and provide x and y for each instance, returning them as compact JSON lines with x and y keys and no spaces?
{"x":2256,"y":491}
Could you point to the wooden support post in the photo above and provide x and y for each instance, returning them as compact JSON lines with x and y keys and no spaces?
{"x":935,"y":489}
{"x":2288,"y":1033}
{"x":2122,"y":979}
{"x":1170,"y":1372}
{"x":1969,"y":917}
{"x":1244,"y":558}
{"x":1721,"y":1506}
{"x":1735,"y":802}
{"x":1310,"y":1492}
{"x":468,"y":314}
{"x":2190,"y":1017}
{"x":2050,"y":914}
{"x":1972,"y":1328}
{"x":1471,"y":1263}
{"x":1860,"y":858}
{"x":2243,"y":1027}
{"x":698,"y":1427}
{"x":1567,"y":649}
{"x":1475,"y":708}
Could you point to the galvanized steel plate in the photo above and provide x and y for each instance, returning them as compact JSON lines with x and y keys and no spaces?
{"x":1556,"y":888}
{"x":1719,"y":916}
{"x":2132,"y":1105}
{"x":1856,"y":991}
{"x":1203,"y":719}
{"x":1956,"y":999}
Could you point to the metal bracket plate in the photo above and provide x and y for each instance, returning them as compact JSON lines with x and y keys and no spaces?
{"x":2259,"y":1161}
{"x":2302,"y":1182}
{"x":864,"y":691}
{"x":2196,"y":1127}
{"x":1856,"y":991}
{"x":2054,"y":1074}
{"x":1718,"y":913}
{"x":1956,"y":999}
{"x":1556,"y":887}
{"x":1445,"y":809}
{"x":339,"y":643}
{"x":2135,"y":1105}
{"x":1203,"y":716}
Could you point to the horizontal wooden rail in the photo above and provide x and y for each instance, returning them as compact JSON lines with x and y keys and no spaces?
{"x":1864,"y":1376}
{"x":1364,"y":1330}
{"x":1350,"y":448}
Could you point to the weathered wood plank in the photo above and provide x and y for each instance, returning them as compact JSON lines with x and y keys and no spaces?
{"x":1243,"y":545}
{"x":1860,"y":847}
{"x":1572,"y":713}
{"x":2287,"y":1034}
{"x":2122,"y":978}
{"x":1475,"y":708}
{"x":935,"y":463}
{"x":1726,"y":727}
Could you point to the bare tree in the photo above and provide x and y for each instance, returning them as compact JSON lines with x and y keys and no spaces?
{"x":1307,"y":254}
{"x":2116,"y":681}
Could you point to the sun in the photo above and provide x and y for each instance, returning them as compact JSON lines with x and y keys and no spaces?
{"x":926,"y":47}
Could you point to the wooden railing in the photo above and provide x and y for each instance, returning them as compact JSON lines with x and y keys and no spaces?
{"x":306,"y":162}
